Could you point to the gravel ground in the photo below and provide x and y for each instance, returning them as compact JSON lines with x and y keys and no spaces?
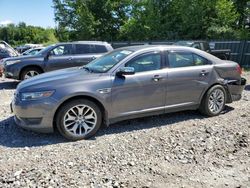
{"x":174,"y":150}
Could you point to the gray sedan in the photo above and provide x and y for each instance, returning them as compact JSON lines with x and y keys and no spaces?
{"x":126,"y":83}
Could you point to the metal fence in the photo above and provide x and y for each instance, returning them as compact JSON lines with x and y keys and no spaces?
{"x":240,"y":50}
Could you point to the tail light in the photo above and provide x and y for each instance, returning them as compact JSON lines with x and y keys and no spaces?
{"x":238,"y":69}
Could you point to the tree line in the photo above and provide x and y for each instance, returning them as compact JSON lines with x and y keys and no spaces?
{"x":22,"y":34}
{"x":138,"y":20}
{"x":152,"y":19}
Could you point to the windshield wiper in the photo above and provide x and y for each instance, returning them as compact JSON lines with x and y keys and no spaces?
{"x":90,"y":70}
{"x":86,"y":68}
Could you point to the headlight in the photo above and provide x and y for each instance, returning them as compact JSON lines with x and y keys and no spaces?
{"x":11,"y":62}
{"x":36,"y":95}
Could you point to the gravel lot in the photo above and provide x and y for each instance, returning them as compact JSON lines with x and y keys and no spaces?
{"x":174,"y":150}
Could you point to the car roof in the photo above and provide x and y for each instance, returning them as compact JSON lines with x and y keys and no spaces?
{"x":85,"y":42}
{"x":153,"y":47}
{"x":146,"y":48}
{"x":189,"y":41}
{"x":142,"y":47}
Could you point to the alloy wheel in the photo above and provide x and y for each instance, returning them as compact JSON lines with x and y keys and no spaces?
{"x":80,"y":120}
{"x":30,"y":74}
{"x":216,"y":101}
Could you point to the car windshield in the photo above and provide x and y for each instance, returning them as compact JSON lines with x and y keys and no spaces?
{"x":106,"y":62}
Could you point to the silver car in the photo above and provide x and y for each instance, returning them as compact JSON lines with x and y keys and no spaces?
{"x":126,"y":83}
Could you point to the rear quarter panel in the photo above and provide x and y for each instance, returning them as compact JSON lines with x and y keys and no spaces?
{"x":228,"y":73}
{"x":228,"y":70}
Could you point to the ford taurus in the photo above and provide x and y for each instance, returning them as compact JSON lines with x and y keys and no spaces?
{"x":126,"y":83}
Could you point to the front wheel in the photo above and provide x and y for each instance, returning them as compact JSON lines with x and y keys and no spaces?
{"x":78,"y":119}
{"x":30,"y":72}
{"x":214,"y":101}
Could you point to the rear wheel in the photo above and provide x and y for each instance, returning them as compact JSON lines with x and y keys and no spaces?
{"x":214,"y":101}
{"x":79,"y":119}
{"x":30,"y":72}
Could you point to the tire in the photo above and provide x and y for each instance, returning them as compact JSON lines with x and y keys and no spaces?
{"x":26,"y":71}
{"x":210,"y":102}
{"x":72,"y":121}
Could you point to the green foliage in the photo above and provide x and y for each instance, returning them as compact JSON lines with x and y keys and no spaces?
{"x":138,"y":20}
{"x":90,"y":19}
{"x":21,"y":34}
{"x":152,"y":19}
{"x":243,"y":9}
{"x":223,"y":26}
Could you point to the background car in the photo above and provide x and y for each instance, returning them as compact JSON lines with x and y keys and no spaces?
{"x":123,"y":84}
{"x":57,"y":56}
{"x":224,"y":54}
{"x":32,"y":51}
{"x":6,"y":50}
{"x":26,"y":47}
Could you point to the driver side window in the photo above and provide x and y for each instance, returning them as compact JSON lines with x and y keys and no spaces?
{"x":147,"y":62}
{"x":62,"y":50}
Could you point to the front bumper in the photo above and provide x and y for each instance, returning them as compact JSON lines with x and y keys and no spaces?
{"x":11,"y":72}
{"x":34,"y":115}
{"x":235,"y":89}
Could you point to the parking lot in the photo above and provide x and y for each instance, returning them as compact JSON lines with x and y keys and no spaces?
{"x":181,"y":149}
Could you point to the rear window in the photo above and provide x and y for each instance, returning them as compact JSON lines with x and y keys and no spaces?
{"x":89,"y":49}
{"x":185,"y":59}
{"x":100,"y":49}
{"x":196,"y":45}
{"x":82,"y":49}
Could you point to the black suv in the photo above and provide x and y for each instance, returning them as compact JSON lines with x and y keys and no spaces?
{"x":57,"y":56}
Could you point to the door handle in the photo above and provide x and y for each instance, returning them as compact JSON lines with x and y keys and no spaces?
{"x":157,"y":78}
{"x":204,"y":73}
{"x":70,"y":58}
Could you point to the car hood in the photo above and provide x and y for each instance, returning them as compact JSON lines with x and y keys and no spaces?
{"x":22,"y":57}
{"x":51,"y":80}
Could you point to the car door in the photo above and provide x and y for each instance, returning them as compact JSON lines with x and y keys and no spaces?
{"x":142,"y":92}
{"x":188,"y":77}
{"x":59,"y":57}
{"x":84,"y":53}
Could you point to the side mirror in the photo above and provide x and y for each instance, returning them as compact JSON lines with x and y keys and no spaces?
{"x":126,"y":71}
